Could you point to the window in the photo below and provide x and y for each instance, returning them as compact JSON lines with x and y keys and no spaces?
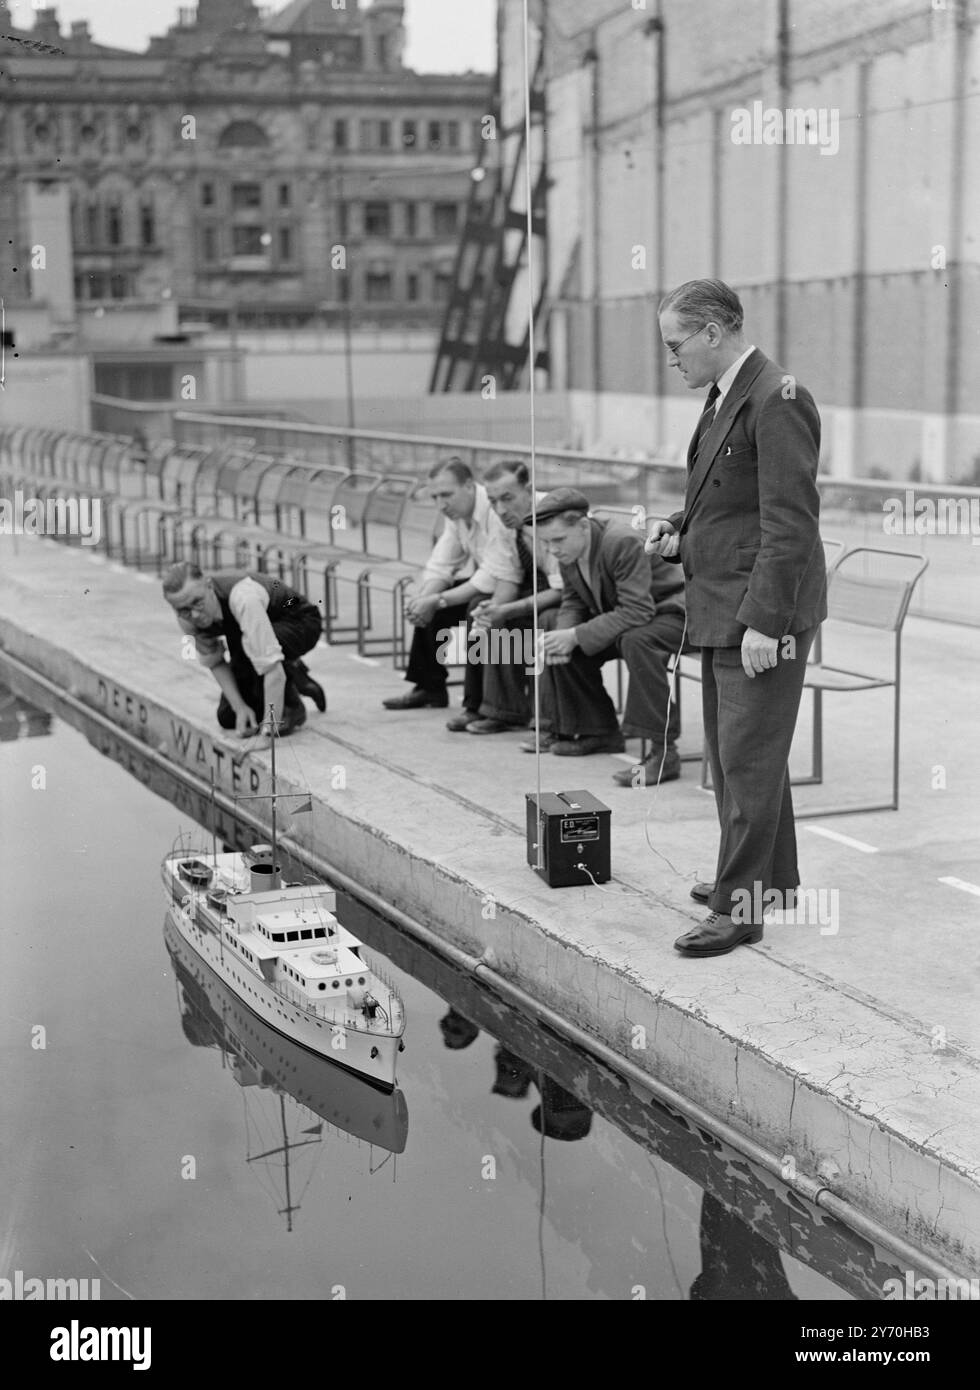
{"x":377,"y":219}
{"x":412,"y":286}
{"x":285,"y":243}
{"x":340,"y":135}
{"x":247,"y":241}
{"x":148,"y":234}
{"x":114,"y":224}
{"x":209,"y":243}
{"x":377,"y":285}
{"x":384,"y":135}
{"x":445,"y":218}
{"x":285,"y":195}
{"x":92,"y":224}
{"x":207,"y":195}
{"x":343,"y":218}
{"x":442,"y":283}
{"x":245,"y":195}
{"x":381,"y":48}
{"x":452,"y":135}
{"x":411,"y":219}
{"x":118,"y":287}
{"x":435,"y":135}
{"x":243,"y":135}
{"x":409,"y":134}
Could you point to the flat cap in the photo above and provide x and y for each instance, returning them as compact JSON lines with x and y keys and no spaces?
{"x":562,"y":499}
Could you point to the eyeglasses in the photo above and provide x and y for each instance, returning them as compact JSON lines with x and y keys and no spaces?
{"x":196,"y":607}
{"x":674,"y":348}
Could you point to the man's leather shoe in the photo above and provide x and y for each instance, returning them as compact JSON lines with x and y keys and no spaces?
{"x":492,"y":726}
{"x":546,"y":742}
{"x":462,"y":721}
{"x":312,"y":689}
{"x":648,"y":774}
{"x":418,"y":699}
{"x":716,"y":936}
{"x":701,"y":892}
{"x":589,"y":743}
{"x":293,"y":718}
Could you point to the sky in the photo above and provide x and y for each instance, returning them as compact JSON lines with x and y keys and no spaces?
{"x":443,"y":35}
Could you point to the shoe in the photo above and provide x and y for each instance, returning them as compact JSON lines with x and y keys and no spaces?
{"x":492,"y":726}
{"x":546,"y":742}
{"x":701,"y":892}
{"x":307,"y":686}
{"x":418,"y":699}
{"x":293,"y":718}
{"x":647,"y":774}
{"x":591,"y":743}
{"x":462,"y":721}
{"x":716,"y":936}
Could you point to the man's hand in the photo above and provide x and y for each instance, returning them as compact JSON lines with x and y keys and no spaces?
{"x":558,"y":645}
{"x":244,"y":721}
{"x":759,"y":652}
{"x":489,"y":614}
{"x":663,"y":540}
{"x":420,"y":610}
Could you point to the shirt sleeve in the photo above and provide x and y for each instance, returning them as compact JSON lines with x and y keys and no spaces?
{"x":498,"y":562}
{"x":447,"y":555}
{"x":249,"y":604}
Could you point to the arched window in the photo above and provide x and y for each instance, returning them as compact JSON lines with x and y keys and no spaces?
{"x":243,"y":135}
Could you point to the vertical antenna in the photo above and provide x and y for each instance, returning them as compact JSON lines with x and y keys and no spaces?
{"x":272,"y":734}
{"x":214,"y":827}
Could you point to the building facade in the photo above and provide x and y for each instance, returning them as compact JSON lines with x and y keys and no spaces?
{"x":820,"y":156}
{"x":266,"y":170}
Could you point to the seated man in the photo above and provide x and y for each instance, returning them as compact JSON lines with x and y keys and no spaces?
{"x":267,"y":627}
{"x":444,"y":597}
{"x":614,"y":604}
{"x":507,"y":700}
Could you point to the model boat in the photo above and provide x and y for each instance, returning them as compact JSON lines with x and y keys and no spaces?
{"x":279,"y":948}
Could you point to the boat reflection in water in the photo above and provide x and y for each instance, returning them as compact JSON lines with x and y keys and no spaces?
{"x":260,"y":1057}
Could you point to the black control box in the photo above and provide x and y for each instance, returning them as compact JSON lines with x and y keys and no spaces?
{"x":572,"y":828}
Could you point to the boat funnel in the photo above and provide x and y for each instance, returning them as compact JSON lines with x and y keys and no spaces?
{"x":265,"y":876}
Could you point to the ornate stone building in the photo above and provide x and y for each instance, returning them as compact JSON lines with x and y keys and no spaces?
{"x":266,"y":165}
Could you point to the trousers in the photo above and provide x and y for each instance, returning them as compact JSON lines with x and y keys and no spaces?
{"x":581,"y":702}
{"x":748,"y":730}
{"x":296,"y":634}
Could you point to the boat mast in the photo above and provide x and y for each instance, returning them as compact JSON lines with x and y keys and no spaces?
{"x":214,"y":826}
{"x":272,"y":735}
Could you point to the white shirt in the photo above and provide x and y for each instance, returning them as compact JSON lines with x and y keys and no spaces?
{"x":502,"y":553}
{"x":249,"y":604}
{"x":482,"y":542}
{"x":724,"y":382}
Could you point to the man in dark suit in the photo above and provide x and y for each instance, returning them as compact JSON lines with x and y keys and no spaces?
{"x":616,"y":602}
{"x":749,"y":541}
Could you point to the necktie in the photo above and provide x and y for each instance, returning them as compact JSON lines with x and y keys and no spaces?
{"x":706,"y":420}
{"x":524,"y":555}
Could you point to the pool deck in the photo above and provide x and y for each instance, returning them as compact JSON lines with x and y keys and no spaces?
{"x":850,"y":1047}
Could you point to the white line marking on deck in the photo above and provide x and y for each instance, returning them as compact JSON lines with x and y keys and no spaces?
{"x":962,"y":883}
{"x":364,"y":660}
{"x":842,"y":839}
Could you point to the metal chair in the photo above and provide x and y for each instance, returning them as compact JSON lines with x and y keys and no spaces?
{"x":861,"y":597}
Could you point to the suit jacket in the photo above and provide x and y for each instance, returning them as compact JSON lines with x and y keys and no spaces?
{"x":628,"y":587}
{"x":750,"y":529}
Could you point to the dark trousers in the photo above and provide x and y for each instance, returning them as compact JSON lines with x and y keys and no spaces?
{"x":508,"y":689}
{"x":582,"y":704}
{"x":296,"y":634}
{"x":427,"y":669}
{"x":748,"y":730}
